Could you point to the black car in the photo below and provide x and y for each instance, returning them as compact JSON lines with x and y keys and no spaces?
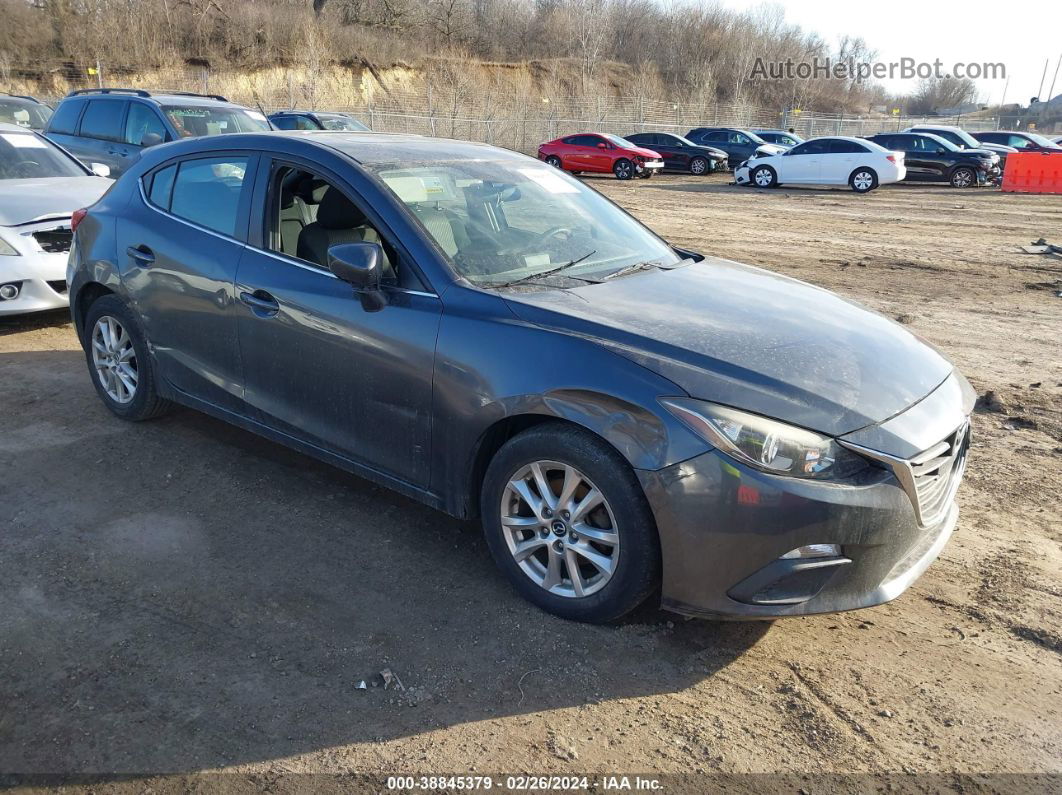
{"x":24,"y":111}
{"x":738,"y":144}
{"x":1022,"y":141}
{"x":484,"y":333}
{"x":930,"y":158}
{"x":681,"y":154}
{"x":313,"y":120}
{"x":964,"y":140}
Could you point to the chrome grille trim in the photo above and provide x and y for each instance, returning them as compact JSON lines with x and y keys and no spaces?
{"x":930,"y":478}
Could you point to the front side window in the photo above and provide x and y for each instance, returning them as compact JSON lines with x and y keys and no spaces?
{"x":207,"y":192}
{"x":738,"y":138}
{"x":499,"y":221}
{"x":26,"y":155}
{"x":143,"y":121}
{"x":192,"y":121}
{"x":103,"y":119}
{"x":305,"y":123}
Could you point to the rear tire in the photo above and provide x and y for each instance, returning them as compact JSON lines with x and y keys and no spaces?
{"x":554,"y":161}
{"x":963,"y":177}
{"x":699,"y":166}
{"x":623,"y":169}
{"x":863,"y":180}
{"x":537,"y":546}
{"x":122,"y":372}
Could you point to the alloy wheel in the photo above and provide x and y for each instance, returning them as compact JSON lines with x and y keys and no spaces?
{"x":698,"y":166}
{"x":554,"y":161}
{"x":763,"y":177}
{"x":624,"y":170}
{"x":862,"y":181}
{"x":560,"y":529}
{"x":114,"y":358}
{"x":962,"y":178}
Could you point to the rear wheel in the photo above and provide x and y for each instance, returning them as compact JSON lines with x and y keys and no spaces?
{"x":764,"y":177}
{"x":554,"y":161}
{"x":698,"y":166}
{"x":863,"y":180}
{"x":119,"y":362}
{"x":963,"y":177}
{"x":566,"y":521}
{"x":623,"y":169}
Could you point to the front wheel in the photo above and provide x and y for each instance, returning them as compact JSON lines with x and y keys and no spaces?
{"x":863,"y":180}
{"x":566,"y":521}
{"x":764,"y":177}
{"x":698,"y":166}
{"x":119,"y":362}
{"x":963,"y":178}
{"x":623,"y":169}
{"x":645,"y":173}
{"x":554,"y":161}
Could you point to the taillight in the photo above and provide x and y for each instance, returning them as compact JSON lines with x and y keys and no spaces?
{"x":891,"y":158}
{"x":77,"y":218}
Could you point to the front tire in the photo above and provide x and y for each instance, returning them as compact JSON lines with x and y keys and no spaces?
{"x":119,"y":361}
{"x":764,"y":177}
{"x":963,"y":177}
{"x":567,"y":523}
{"x":699,"y":166}
{"x":623,"y":169}
{"x":863,"y":180}
{"x":645,"y":173}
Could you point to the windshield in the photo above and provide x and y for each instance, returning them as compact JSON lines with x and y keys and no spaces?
{"x":508,"y":220}
{"x":192,"y":121}
{"x":622,"y":143}
{"x":341,"y":121}
{"x":755,"y":138}
{"x":1043,"y":141}
{"x":24,"y":114}
{"x":29,"y":156}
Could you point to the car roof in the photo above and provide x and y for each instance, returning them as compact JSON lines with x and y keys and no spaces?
{"x":19,"y":98}
{"x":159,"y":97}
{"x":949,"y":127}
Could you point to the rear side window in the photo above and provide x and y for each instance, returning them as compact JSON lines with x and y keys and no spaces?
{"x":207,"y":192}
{"x":838,"y":147}
{"x":103,"y":119}
{"x":162,"y":187}
{"x":142,"y":121}
{"x":284,"y":122}
{"x":305,"y":123}
{"x":64,"y":120}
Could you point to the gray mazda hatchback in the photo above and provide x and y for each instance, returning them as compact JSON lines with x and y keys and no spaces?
{"x":486,"y":334}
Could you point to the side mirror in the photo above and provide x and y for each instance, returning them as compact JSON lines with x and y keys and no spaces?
{"x":151,"y":139}
{"x":100,"y":169}
{"x":360,"y":265}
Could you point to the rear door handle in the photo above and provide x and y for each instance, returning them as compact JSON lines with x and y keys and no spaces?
{"x":142,"y":255}
{"x":261,"y":302}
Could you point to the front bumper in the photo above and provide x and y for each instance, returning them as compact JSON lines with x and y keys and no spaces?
{"x":724,"y":529}
{"x":649,"y":165}
{"x":39,"y":275}
{"x":743,"y":174}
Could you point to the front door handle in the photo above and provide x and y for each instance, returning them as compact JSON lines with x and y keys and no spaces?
{"x":261,"y":303}
{"x":142,"y":255}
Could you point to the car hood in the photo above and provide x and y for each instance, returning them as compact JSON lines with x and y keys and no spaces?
{"x":643,"y":151}
{"x":711,"y":151}
{"x":771,"y":149}
{"x":998,"y":148}
{"x":749,"y":338}
{"x":23,"y":201}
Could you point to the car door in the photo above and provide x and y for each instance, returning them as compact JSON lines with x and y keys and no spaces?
{"x":802,"y":164}
{"x":675,"y":153}
{"x":934,"y":160}
{"x":143,"y":127}
{"x":180,"y":241}
{"x":838,"y":162}
{"x":919,"y":166}
{"x":319,"y":364}
{"x":599,"y":153}
{"x":742,"y":145}
{"x":102,"y":135}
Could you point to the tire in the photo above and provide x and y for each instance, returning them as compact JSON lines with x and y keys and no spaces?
{"x":623,"y":169}
{"x":554,"y":161}
{"x":645,"y":173}
{"x":634,"y":558}
{"x":763,"y":177}
{"x":863,"y":180}
{"x":963,"y":177}
{"x":110,"y":314}
{"x":699,"y":166}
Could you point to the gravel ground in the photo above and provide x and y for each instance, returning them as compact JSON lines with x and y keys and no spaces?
{"x":181,"y":596}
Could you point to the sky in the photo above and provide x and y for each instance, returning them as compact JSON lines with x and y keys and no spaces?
{"x":1021,"y":37}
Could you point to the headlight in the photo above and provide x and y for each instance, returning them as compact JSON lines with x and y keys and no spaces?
{"x":7,"y":250}
{"x":766,"y":444}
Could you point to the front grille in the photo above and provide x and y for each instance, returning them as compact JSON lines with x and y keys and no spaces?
{"x":59,"y":286}
{"x":54,"y":241}
{"x":935,"y":474}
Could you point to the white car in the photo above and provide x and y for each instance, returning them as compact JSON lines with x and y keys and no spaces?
{"x":40,"y":186}
{"x":836,"y":160}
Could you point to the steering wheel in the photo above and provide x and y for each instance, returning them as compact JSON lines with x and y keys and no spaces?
{"x":556,"y":231}
{"x":26,"y":167}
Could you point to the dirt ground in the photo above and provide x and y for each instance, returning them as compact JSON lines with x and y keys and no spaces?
{"x":181,"y":596}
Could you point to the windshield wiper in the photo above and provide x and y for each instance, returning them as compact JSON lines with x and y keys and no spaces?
{"x":638,"y":266}
{"x":550,"y":272}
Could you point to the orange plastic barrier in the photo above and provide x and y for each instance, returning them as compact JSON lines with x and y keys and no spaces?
{"x":1033,"y":172}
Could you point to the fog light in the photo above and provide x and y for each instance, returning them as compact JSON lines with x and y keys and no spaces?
{"x":9,"y":291}
{"x":814,"y":551}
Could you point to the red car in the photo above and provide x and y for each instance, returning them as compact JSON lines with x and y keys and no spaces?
{"x":601,"y":152}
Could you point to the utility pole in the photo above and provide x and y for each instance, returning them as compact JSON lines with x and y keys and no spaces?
{"x":1051,"y":91}
{"x":1041,"y":89}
